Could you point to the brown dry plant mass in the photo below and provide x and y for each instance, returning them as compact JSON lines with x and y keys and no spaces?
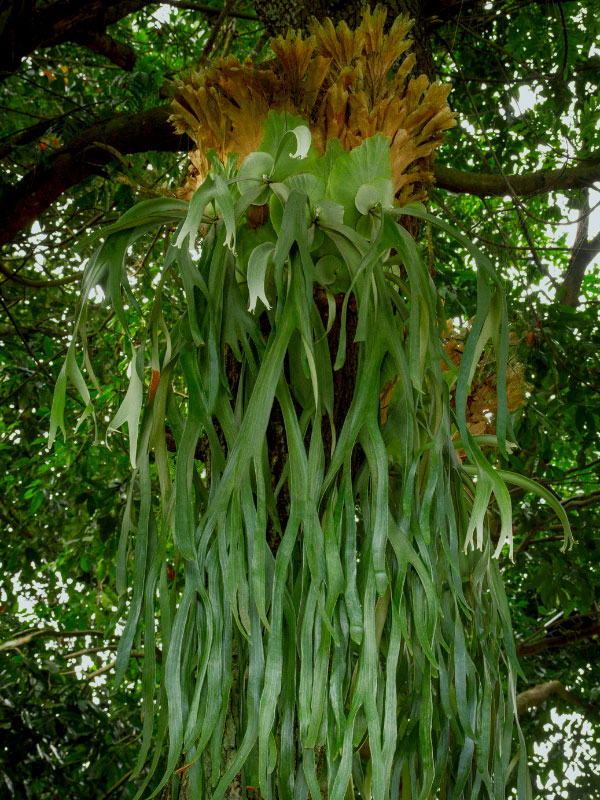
{"x":346,"y":84}
{"x":482,"y":401}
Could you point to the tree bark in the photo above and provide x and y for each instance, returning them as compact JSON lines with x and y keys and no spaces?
{"x":490,"y":185}
{"x":582,"y":255}
{"x":557,"y":642}
{"x":102,"y":44}
{"x":581,"y":258}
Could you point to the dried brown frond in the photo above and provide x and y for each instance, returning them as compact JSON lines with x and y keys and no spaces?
{"x":482,"y":402}
{"x":345,"y":84}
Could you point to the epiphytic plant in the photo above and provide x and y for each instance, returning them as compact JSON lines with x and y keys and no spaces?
{"x":336,"y":625}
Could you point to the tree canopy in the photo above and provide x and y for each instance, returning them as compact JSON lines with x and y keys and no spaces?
{"x":86,"y":134}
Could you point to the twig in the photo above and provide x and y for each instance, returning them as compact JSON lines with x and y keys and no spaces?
{"x":118,"y":784}
{"x":23,"y":338}
{"x":31,"y":282}
{"x":89,"y":651}
{"x":28,"y":636}
{"x":107,"y":667}
{"x":217,"y":27}
{"x":517,"y":203}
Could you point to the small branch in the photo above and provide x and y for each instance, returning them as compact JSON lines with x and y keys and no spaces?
{"x":107,"y":667}
{"x":579,"y":500}
{"x":97,"y":672}
{"x":28,"y":636}
{"x":117,"y":785}
{"x":217,"y":27}
{"x":25,"y":281}
{"x":584,"y":468}
{"x":21,"y":335}
{"x":90,"y":651}
{"x":545,"y":540}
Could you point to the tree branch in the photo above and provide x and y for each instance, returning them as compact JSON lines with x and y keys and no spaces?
{"x":537,"y":695}
{"x":117,"y":785}
{"x":36,"y":284}
{"x":28,"y":636}
{"x":102,"y":44}
{"x":27,"y":135}
{"x":151,"y":130}
{"x":211,"y":11}
{"x":26,"y":28}
{"x":86,"y":154}
{"x":581,"y":258}
{"x":489,"y":185}
{"x":557,"y":642}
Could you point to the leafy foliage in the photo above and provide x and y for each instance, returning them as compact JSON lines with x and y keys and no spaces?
{"x":535,"y":108}
{"x":348,"y":85}
{"x":55,"y":724}
{"x":375,"y":534}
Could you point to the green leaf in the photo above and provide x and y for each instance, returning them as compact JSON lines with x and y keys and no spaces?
{"x":258,"y":264}
{"x":362,"y":166}
{"x":155,"y":212}
{"x":370,"y":195}
{"x":328,"y":268}
{"x":287,"y":139}
{"x":214,"y":189}
{"x":256,"y":169}
{"x":130,"y":408}
{"x":533,"y":486}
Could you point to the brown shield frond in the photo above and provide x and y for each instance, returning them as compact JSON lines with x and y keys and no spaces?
{"x":346,"y":84}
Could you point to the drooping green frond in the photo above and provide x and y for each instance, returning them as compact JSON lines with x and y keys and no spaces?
{"x":331,"y":629}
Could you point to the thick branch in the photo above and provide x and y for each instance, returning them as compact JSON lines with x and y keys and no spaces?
{"x":211,"y":11}
{"x":484,"y":185}
{"x":101,"y":43}
{"x":580,"y":260}
{"x":87,"y":154}
{"x":539,"y":694}
{"x":83,"y":156}
{"x":557,"y":642}
{"x":25,"y":27}
{"x":27,"y":135}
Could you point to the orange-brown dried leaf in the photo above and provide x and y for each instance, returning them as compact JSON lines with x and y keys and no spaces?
{"x":384,"y":398}
{"x":315,"y":86}
{"x":338,"y":80}
{"x":339,"y":43}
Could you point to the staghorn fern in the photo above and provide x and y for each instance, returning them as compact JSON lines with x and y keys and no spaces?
{"x":339,"y":626}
